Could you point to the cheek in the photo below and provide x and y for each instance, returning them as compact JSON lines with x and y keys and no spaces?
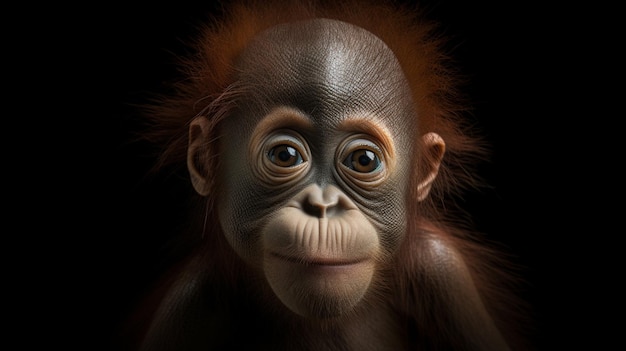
{"x":387,"y":212}
{"x":239,"y":207}
{"x":244,"y":207}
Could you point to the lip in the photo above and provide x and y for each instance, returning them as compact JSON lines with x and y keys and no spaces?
{"x":319,"y":261}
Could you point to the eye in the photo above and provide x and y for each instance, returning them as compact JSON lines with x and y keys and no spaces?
{"x":363,"y":161}
{"x":281,"y":158}
{"x":285,"y":150}
{"x":285,"y":155}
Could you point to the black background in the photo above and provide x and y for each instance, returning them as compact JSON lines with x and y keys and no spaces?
{"x":92,"y":210}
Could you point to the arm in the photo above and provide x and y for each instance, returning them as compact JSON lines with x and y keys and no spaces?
{"x":448,"y":303}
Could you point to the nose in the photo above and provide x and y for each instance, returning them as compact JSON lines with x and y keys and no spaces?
{"x":324,"y":202}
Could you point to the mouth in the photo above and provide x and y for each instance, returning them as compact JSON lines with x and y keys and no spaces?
{"x":319,"y":261}
{"x":318,"y":284}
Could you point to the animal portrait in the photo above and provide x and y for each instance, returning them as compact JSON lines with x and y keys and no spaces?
{"x":324,"y":147}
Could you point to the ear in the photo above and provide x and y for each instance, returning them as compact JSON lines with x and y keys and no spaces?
{"x":198,"y":153}
{"x":434,"y":149}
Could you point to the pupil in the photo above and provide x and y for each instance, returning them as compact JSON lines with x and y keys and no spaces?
{"x":286,"y":154}
{"x":365,"y":159}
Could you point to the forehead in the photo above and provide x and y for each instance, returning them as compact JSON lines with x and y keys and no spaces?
{"x":328,"y":69}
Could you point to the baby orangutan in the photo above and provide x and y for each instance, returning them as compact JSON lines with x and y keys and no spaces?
{"x":324,"y":140}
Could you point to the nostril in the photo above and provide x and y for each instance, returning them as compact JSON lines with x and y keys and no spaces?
{"x":315,"y":210}
{"x":320,"y":203}
{"x":322,"y":210}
